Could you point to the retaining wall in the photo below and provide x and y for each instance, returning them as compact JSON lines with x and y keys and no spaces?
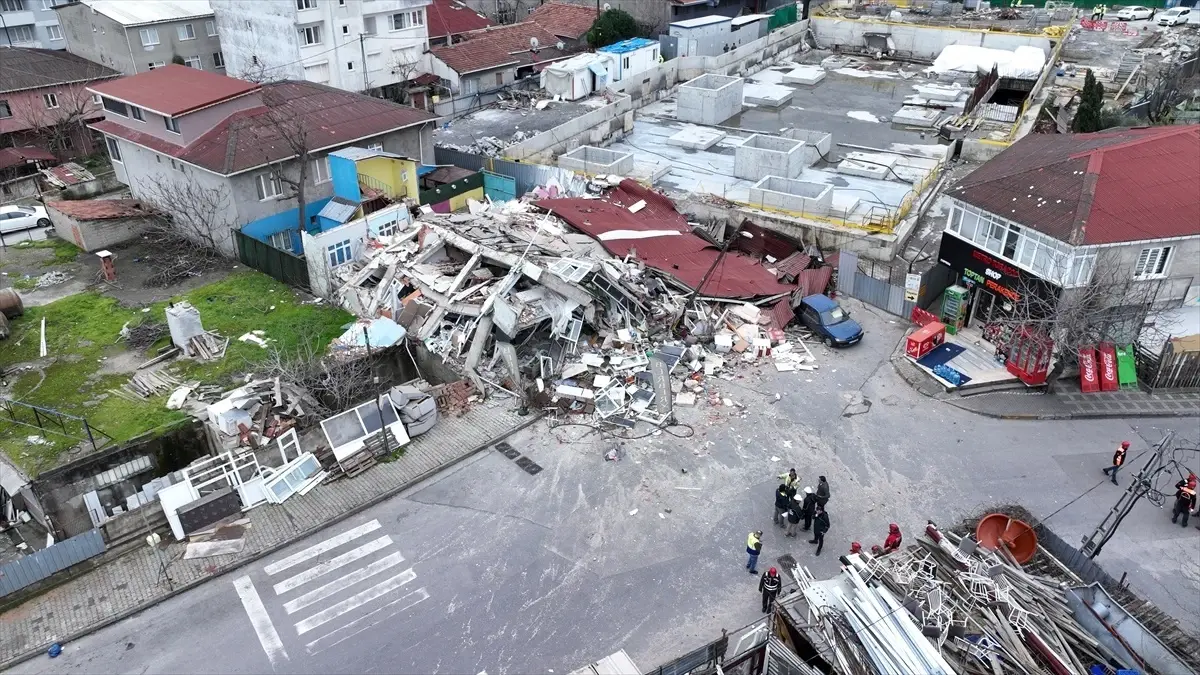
{"x":789,"y":194}
{"x":921,"y":42}
{"x":593,"y":128}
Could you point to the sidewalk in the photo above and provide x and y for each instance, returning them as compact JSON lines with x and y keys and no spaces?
{"x":134,"y":581}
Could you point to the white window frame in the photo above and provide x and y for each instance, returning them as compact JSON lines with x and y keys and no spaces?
{"x":218,"y":60}
{"x":296,"y":477}
{"x":470,"y":86}
{"x":350,"y":66}
{"x":281,"y":240}
{"x":47,"y":5}
{"x":185,"y":31}
{"x":320,"y":170}
{"x":5,"y":110}
{"x":403,"y":18}
{"x":377,"y":147}
{"x":417,"y":19}
{"x":156,"y":64}
{"x":114,"y":149}
{"x":55,"y":32}
{"x":149,"y":36}
{"x":302,"y":5}
{"x":1153,"y":262}
{"x":194,"y":62}
{"x":13,"y":6}
{"x":136,"y":113}
{"x":51,"y":100}
{"x":210,"y":27}
{"x":310,"y":35}
{"x":370,"y":25}
{"x":269,"y":187}
{"x":338,"y":250}
{"x":21,"y":34}
{"x":97,"y":99}
{"x":171,"y":124}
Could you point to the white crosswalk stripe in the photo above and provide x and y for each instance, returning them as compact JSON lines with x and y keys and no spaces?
{"x":342,"y":606}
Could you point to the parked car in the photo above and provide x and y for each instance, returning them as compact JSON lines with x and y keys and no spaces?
{"x":832,"y":324}
{"x":1175,"y":16}
{"x":1134,"y":13}
{"x":13,"y":218}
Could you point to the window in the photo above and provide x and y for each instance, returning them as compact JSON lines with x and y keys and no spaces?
{"x":341,"y":3}
{"x":51,"y":100}
{"x":268,"y":187}
{"x":114,"y":148}
{"x":55,"y":32}
{"x":339,"y":253}
{"x":47,"y":5}
{"x":310,"y":35}
{"x":172,"y":124}
{"x":400,"y":21}
{"x":114,"y":106}
{"x":470,"y":85}
{"x":5,"y":110}
{"x":210,"y":27}
{"x":345,"y":30}
{"x":281,"y":240}
{"x":218,"y":60}
{"x":499,"y":79}
{"x":155,"y":64}
{"x":12,"y":5}
{"x":149,"y":36}
{"x":625,"y":63}
{"x":96,"y":99}
{"x":136,"y":113}
{"x":377,"y":147}
{"x":320,"y":170}
{"x":306,"y":4}
{"x":1152,"y":263}
{"x":186,"y":32}
{"x":317,"y":72}
{"x":369,"y":25}
{"x":418,"y":18}
{"x":349,"y":65}
{"x":20,"y":34}
{"x":194,"y":62}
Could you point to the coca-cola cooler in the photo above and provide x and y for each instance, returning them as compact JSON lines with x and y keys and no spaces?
{"x":1108,"y":366}
{"x":924,"y":339}
{"x":1029,"y":356}
{"x":1089,"y":375}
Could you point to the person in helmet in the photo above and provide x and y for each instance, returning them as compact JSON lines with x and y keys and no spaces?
{"x":769,"y":586}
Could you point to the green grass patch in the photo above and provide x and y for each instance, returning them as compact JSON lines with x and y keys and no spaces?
{"x":81,"y":333}
{"x":24,"y":283}
{"x":64,"y":251}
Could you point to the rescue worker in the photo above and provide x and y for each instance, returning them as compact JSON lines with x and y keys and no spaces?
{"x":1117,"y":460}
{"x":1185,"y":499}
{"x":793,"y":516}
{"x":822,"y":491}
{"x":753,"y":548}
{"x":820,"y":527}
{"x":783,"y":501}
{"x":893,"y":540}
{"x":855,"y":547}
{"x":790,"y":479}
{"x":769,"y":586}
{"x":808,"y":507}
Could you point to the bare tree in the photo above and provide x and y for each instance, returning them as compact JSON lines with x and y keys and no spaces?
{"x":195,"y":227}
{"x":404,"y":68}
{"x":1111,"y":307}
{"x":58,"y":117}
{"x":336,"y":384}
{"x":290,"y":126}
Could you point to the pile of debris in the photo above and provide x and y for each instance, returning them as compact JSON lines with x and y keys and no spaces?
{"x":145,"y":384}
{"x":260,"y":409}
{"x":143,"y":335}
{"x":49,"y":279}
{"x":208,"y":346}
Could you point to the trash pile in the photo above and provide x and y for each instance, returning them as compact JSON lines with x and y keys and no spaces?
{"x":260,"y":409}
{"x":49,"y":279}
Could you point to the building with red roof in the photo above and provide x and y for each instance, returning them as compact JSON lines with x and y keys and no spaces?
{"x":1062,"y":209}
{"x":492,"y":58}
{"x":569,"y":22}
{"x":448,"y":19}
{"x":176,"y":131}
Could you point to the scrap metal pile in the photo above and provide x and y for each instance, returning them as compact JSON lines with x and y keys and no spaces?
{"x":563,"y":301}
{"x":950,"y":605}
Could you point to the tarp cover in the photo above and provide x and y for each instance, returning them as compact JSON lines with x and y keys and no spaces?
{"x":1025,"y":63}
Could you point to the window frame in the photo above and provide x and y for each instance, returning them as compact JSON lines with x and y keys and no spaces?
{"x":336,"y":250}
{"x":145,"y":33}
{"x":24,"y":34}
{"x":210,"y":28}
{"x":404,"y":19}
{"x":1157,"y":258}
{"x":218,"y":60}
{"x":376,"y":147}
{"x":114,"y":149}
{"x":185,"y":32}
{"x":18,"y":4}
{"x":51,"y":100}
{"x":268,"y":180}
{"x":156,"y":64}
{"x":283,"y":235}
{"x":50,"y":31}
{"x":316,"y":34}
{"x":136,"y":113}
{"x":320,"y":170}
{"x":171,"y":124}
{"x":304,"y":5}
{"x":198,"y":60}
{"x":6,"y":109}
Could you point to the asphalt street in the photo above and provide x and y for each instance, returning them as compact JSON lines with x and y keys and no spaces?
{"x":488,"y":568}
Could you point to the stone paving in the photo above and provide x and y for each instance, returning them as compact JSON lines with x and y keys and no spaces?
{"x":1074,"y":404}
{"x":135,"y":581}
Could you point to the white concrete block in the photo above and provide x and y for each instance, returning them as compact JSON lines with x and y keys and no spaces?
{"x":768,"y":95}
{"x":804,"y":75}
{"x":696,"y":138}
{"x":916,"y":116}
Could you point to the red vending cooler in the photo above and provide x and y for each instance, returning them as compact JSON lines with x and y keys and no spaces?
{"x":924,"y":339}
{"x":1108,"y":367}
{"x":1029,"y":356}
{"x":1089,"y":376}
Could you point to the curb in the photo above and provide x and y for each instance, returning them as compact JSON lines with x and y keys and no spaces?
{"x":1072,"y":416}
{"x":373,"y":501}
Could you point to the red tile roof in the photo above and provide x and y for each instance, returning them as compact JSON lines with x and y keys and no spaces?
{"x":174,"y":89}
{"x":100,"y":209}
{"x":564,"y":19}
{"x":499,"y":46}
{"x":447,"y":17}
{"x":1109,"y":187}
{"x":674,"y":251}
{"x":252,"y":138}
{"x":14,"y":156}
{"x":29,"y":68}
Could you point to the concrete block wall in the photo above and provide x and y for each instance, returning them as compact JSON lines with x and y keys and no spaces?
{"x":761,"y":156}
{"x":592,"y":160}
{"x":709,"y":99}
{"x":595,"y":127}
{"x":821,"y":141}
{"x":922,"y":42}
{"x":789,"y":194}
{"x":94,"y":235}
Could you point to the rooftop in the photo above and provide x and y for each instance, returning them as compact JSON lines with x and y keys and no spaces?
{"x":1110,"y":187}
{"x":145,"y":12}
{"x":565,"y":19}
{"x":28,"y":68}
{"x":100,"y":209}
{"x":499,"y":46}
{"x":449,"y":17}
{"x":624,"y":46}
{"x":174,"y":89}
{"x":700,"y":21}
{"x":14,"y":156}
{"x":252,"y":138}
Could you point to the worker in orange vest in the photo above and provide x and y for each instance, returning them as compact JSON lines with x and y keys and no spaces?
{"x":1117,"y":460}
{"x":1185,"y":499}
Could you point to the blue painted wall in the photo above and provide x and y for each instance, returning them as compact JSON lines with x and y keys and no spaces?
{"x":263,"y":228}
{"x":344,"y":172}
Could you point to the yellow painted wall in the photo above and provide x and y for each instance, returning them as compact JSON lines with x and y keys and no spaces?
{"x":460,"y":202}
{"x":400,"y":174}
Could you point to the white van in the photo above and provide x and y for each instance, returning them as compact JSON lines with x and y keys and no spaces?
{"x":1175,"y":16}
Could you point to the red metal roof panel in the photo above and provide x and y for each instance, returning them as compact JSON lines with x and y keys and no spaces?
{"x":565,"y":19}
{"x":447,"y":17}
{"x":174,"y":89}
{"x":99,"y":209}
{"x":14,"y":156}
{"x":497,"y":46}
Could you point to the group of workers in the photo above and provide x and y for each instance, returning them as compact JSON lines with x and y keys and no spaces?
{"x":1185,"y":489}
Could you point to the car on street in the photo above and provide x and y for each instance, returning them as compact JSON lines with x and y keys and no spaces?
{"x":1175,"y":16}
{"x":1134,"y":13}
{"x":14,"y":218}
{"x":829,"y":321}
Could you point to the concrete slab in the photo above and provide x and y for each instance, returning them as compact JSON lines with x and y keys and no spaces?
{"x":941,"y":92}
{"x":791,"y":195}
{"x":761,"y":156}
{"x":709,"y":99}
{"x":593,"y":160}
{"x":808,"y":75}
{"x":937,"y":104}
{"x":769,"y":95}
{"x":868,"y":165}
{"x":697,"y":138}
{"x":915,"y":116}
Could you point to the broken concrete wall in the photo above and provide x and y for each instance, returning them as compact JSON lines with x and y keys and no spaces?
{"x":317,"y":255}
{"x":593,"y":128}
{"x":761,"y":156}
{"x":789,"y":194}
{"x":921,"y":42}
{"x":94,"y":235}
{"x":709,"y":99}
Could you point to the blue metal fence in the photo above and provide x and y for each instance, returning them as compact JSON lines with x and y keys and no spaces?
{"x":41,"y":565}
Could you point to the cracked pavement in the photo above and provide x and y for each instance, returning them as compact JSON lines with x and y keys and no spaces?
{"x":550,"y":572}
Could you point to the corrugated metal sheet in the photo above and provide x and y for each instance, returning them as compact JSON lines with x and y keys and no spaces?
{"x":814,"y":281}
{"x":338,"y":210}
{"x":870,"y":290}
{"x":41,"y":565}
{"x":793,"y":265}
{"x":782,"y":314}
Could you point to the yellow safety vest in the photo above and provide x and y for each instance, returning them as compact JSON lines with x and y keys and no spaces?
{"x":751,"y":541}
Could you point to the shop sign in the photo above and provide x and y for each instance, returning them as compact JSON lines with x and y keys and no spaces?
{"x":1089,"y":379}
{"x":983,"y":268}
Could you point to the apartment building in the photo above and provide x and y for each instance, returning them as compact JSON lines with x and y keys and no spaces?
{"x":353,"y":45}
{"x":134,"y":36}
{"x":31,"y":23}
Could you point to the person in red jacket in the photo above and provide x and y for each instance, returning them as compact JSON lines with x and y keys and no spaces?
{"x":893,"y":540}
{"x":1117,"y":461}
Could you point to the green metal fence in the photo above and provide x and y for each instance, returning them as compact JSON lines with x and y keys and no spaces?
{"x":279,"y":264}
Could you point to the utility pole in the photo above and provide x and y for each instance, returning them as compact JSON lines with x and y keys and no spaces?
{"x":1142,"y":483}
{"x":362,"y":48}
{"x":703,"y":280}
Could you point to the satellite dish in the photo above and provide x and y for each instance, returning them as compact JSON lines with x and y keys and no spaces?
{"x":560,"y":45}
{"x":607,"y":6}
{"x":533,"y":43}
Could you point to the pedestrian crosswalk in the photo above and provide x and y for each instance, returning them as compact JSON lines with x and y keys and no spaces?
{"x":332,"y":591}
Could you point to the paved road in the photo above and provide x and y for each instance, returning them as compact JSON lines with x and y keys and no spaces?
{"x":489,"y":568}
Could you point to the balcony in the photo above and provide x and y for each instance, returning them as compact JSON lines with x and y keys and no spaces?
{"x":370,"y":7}
{"x":22,"y":18}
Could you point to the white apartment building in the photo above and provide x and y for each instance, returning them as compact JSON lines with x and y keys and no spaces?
{"x":354,"y":45}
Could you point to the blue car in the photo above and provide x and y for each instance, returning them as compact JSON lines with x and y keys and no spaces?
{"x":824,"y":317}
